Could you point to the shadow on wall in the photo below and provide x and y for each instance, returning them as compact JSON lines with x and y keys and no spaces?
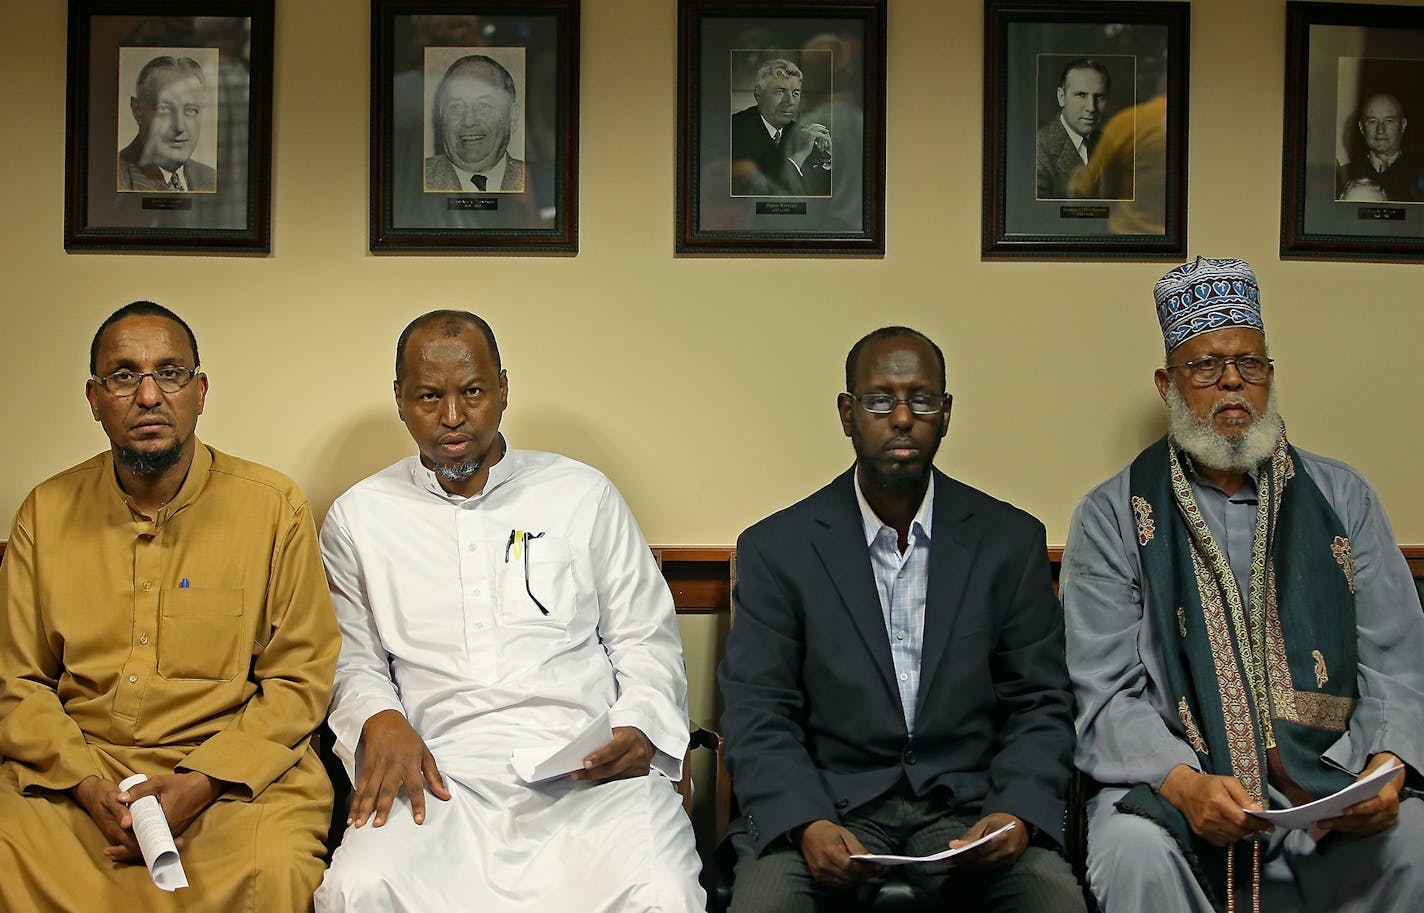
{"x":370,"y":444}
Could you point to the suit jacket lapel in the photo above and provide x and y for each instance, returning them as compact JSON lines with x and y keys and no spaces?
{"x":839,"y":541}
{"x":953,"y":548}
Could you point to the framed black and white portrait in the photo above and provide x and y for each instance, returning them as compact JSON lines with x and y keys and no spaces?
{"x":168,"y":143}
{"x":781,"y":130}
{"x":474,"y":128}
{"x":1085,"y":114}
{"x":1353,"y":171}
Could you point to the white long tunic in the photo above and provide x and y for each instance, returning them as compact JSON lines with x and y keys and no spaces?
{"x":438,"y":598}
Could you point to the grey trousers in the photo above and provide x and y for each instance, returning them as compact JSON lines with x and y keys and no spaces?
{"x":778,"y":881}
{"x":1133,"y":865}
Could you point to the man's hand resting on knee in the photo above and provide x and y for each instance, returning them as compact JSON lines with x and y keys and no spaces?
{"x":828,"y":847}
{"x":1213,"y":805}
{"x":393,"y":758}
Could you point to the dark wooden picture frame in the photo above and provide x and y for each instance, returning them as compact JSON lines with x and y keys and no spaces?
{"x":168,"y":139}
{"x":746,"y":185}
{"x":1352,"y":177}
{"x":1118,"y":72}
{"x":466,"y":96}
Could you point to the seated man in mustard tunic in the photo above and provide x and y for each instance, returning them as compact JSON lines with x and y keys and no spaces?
{"x":163,"y":611}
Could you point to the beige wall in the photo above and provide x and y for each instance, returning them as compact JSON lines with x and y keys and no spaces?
{"x":704,"y":388}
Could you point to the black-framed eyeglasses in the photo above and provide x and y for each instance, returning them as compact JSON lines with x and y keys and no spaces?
{"x":169,"y":378}
{"x":885,"y":403}
{"x":1205,"y":371}
{"x":524,"y":538}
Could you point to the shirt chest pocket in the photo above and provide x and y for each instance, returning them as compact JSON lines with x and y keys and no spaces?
{"x":200,"y":634}
{"x":537,"y":583}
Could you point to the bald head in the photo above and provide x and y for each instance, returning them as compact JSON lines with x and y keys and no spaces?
{"x":447,"y":324}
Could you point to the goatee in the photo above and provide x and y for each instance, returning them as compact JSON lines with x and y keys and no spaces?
{"x":458,"y":472}
{"x":150,"y":462}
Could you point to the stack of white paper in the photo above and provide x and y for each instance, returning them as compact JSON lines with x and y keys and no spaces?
{"x":155,"y":840}
{"x":546,"y":763}
{"x":1312,"y":813}
{"x":934,"y":857}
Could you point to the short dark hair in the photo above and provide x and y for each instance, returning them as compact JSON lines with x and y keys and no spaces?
{"x":140,"y":309}
{"x":853,"y":358}
{"x":449,"y":323}
{"x":182,"y":64}
{"x":1085,"y":63}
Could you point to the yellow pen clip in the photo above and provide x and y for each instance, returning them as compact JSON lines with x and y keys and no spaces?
{"x":519,"y":545}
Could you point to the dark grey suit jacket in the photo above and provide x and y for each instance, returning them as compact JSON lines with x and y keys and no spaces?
{"x":197,"y":177}
{"x":813,"y":720}
{"x":1055,"y":162}
{"x":441,"y":175}
{"x":761,"y":168}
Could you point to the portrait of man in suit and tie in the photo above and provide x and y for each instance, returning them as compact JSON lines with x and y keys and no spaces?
{"x":773,"y":152}
{"x":474,"y":123}
{"x":1064,"y":144}
{"x":169,"y":105}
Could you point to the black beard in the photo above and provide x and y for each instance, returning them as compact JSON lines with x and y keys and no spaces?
{"x":894,"y":483}
{"x":143,"y":463}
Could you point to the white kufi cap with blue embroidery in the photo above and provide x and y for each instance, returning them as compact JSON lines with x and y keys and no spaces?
{"x":1205,"y":296}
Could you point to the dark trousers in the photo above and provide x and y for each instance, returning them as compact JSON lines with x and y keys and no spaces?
{"x":778,"y":881}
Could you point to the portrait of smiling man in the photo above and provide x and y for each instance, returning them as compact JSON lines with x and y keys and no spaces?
{"x":473,"y":118}
{"x":169,"y":105}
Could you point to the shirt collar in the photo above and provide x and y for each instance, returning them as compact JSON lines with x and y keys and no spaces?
{"x":494,"y":177}
{"x":193,"y":484}
{"x":1247,"y":492}
{"x":1077,"y":138}
{"x":872,"y":524}
{"x":499,"y":473}
{"x":1381,"y":162}
{"x":770,"y":130}
{"x":180,"y":171}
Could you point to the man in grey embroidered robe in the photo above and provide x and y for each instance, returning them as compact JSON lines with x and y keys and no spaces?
{"x":1126,"y":636}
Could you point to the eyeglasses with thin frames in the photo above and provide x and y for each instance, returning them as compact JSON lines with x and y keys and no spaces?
{"x":1207,"y":370}
{"x":885,"y":403}
{"x":123,"y":382}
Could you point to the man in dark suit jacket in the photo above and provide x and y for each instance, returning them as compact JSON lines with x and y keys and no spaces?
{"x":167,"y":105}
{"x":1062,"y":146}
{"x":773,"y":154}
{"x":1384,"y":161}
{"x":894,"y":679}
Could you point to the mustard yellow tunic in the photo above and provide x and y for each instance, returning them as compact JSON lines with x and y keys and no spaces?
{"x":201,"y":640}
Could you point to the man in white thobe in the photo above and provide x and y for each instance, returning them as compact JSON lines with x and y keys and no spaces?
{"x":492,"y":601}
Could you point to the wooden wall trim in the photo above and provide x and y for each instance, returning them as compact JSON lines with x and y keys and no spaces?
{"x":701,"y":576}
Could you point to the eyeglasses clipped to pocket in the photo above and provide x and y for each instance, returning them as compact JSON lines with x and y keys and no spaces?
{"x":537,"y":583}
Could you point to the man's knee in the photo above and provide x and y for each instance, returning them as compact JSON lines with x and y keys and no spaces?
{"x":1118,"y":841}
{"x":1043,"y":881}
{"x":773,"y":882}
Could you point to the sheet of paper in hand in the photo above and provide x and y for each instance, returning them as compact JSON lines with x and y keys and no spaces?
{"x":934,"y":857}
{"x":1312,"y":813}
{"x":155,"y":840}
{"x":544,"y":762}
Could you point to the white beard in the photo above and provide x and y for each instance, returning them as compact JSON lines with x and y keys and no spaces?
{"x":1231,"y":453}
